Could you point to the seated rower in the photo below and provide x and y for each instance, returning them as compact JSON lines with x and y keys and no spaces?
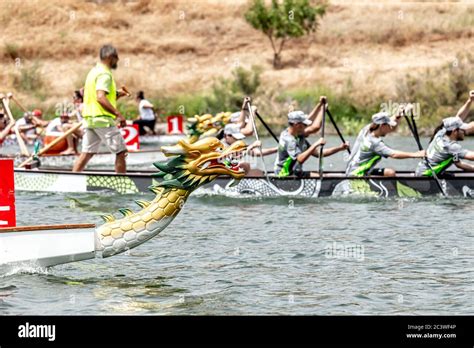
{"x":30,"y":126}
{"x":371,"y":148}
{"x":232,"y":133}
{"x":294,"y":149}
{"x":5,"y":127}
{"x":56,"y":129}
{"x":242,"y":118}
{"x":444,"y":149}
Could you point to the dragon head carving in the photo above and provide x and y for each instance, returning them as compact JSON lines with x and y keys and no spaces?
{"x":195,"y":164}
{"x":206,"y":125}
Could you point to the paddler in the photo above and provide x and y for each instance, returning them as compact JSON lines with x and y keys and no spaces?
{"x":232,"y":133}
{"x":100,"y":112}
{"x":370,"y":147}
{"x":444,"y":149}
{"x":242,"y":118}
{"x":294,"y":149}
{"x":30,"y":125}
{"x":56,"y":128}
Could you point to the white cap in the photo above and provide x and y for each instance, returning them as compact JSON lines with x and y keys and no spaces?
{"x":452,"y":123}
{"x":234,"y":130}
{"x":298,"y":117}
{"x":383,"y":118}
{"x":234,"y":117}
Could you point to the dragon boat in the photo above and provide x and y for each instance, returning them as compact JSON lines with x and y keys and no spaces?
{"x":405,"y":184}
{"x":190,"y":166}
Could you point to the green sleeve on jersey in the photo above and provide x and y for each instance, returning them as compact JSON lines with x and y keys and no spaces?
{"x":366,"y":166}
{"x":439,"y":168}
{"x":287,"y":167}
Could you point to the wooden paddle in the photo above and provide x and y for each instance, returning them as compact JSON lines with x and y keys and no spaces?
{"x":21,"y":142}
{"x":54,"y":142}
{"x":10,"y":96}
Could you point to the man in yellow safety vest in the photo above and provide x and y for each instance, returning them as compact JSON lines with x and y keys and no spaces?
{"x":100,"y":112}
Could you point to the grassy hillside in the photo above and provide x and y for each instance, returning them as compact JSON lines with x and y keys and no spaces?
{"x":364,"y":54}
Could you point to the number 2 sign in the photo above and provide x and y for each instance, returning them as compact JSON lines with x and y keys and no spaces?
{"x":130,"y":135}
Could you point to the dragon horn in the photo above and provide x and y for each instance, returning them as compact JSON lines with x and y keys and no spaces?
{"x":155,"y":189}
{"x":108,"y":217}
{"x":126,"y":211}
{"x":142,"y":204}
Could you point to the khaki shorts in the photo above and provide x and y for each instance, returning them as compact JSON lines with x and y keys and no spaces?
{"x":110,"y":136}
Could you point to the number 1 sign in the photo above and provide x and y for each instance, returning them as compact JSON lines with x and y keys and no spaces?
{"x":175,"y":124}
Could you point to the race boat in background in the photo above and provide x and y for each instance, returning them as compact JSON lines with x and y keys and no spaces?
{"x":106,"y":159}
{"x":165,"y":139}
{"x":405,"y":184}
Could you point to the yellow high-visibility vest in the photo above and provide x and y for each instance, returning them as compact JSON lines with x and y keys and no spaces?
{"x":92,"y":108}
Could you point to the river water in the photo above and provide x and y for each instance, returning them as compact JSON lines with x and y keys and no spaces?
{"x":228,"y":255}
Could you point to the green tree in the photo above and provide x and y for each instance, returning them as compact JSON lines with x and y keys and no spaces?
{"x":284,"y":20}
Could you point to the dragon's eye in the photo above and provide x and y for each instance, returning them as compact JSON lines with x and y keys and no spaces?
{"x":219,"y":149}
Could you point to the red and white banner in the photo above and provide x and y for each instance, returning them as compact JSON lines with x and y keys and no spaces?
{"x":7,"y":194}
{"x":131,"y":136}
{"x":175,"y":124}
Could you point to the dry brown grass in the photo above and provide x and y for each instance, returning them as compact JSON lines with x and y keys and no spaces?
{"x":369,"y":43}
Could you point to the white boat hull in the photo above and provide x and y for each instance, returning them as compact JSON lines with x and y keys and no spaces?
{"x":46,"y":246}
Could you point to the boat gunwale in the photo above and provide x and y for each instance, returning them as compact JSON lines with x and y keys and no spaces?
{"x":405,"y":175}
{"x":15,"y":156}
{"x":46,"y":227}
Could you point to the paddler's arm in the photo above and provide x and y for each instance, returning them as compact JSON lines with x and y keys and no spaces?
{"x":407,"y":109}
{"x":402,"y":154}
{"x":466,"y":166}
{"x":4,"y":133}
{"x":26,"y":127}
{"x":265,"y":152}
{"x":254,"y":149}
{"x":39,"y":122}
{"x":332,"y":150}
{"x":464,"y":110}
{"x":104,"y":102}
{"x":246,"y":128}
{"x":316,"y":116}
{"x":302,"y":157}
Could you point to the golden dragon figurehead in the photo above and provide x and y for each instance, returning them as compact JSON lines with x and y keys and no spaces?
{"x":198,"y":163}
{"x":190,"y":166}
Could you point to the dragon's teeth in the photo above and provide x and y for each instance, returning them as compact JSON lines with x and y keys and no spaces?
{"x":205,"y":165}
